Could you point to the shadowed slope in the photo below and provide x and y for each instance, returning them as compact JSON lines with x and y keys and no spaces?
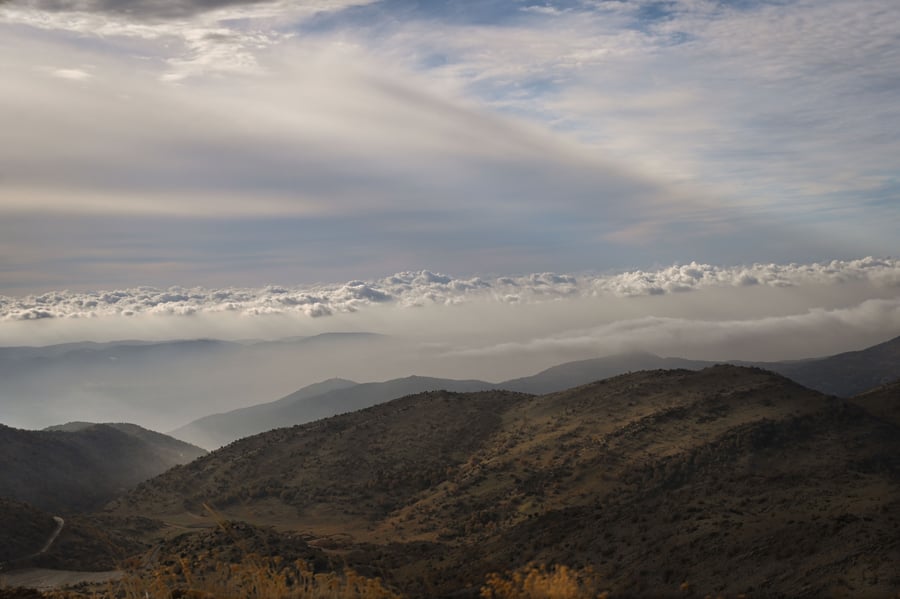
{"x":882,"y":402}
{"x":23,"y":529}
{"x":65,"y":471}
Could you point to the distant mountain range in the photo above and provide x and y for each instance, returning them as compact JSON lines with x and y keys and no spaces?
{"x":726,"y":480}
{"x":80,"y":466}
{"x":844,"y":374}
{"x":310,"y":404}
{"x":581,"y":372}
{"x":162,"y":384}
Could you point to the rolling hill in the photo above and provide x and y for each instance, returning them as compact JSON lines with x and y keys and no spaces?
{"x":216,"y":430}
{"x":582,"y":372}
{"x":309,"y":404}
{"x":725,"y":480}
{"x":844,"y":375}
{"x":83,"y":465}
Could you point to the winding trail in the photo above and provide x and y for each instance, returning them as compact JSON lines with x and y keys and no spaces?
{"x":59,"y":526}
{"x":46,"y":579}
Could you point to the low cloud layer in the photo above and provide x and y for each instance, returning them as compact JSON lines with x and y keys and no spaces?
{"x":813,"y":333}
{"x":420,"y":289}
{"x":490,"y":328}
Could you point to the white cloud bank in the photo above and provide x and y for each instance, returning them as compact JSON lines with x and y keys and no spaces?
{"x":490,"y":328}
{"x":418,"y":289}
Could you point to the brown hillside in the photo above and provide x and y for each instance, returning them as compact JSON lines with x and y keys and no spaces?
{"x":732,"y":479}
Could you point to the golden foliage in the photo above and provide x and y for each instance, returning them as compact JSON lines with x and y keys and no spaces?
{"x":542,"y":582}
{"x":252,"y":578}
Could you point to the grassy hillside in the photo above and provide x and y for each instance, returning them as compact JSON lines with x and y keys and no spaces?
{"x":729,"y":479}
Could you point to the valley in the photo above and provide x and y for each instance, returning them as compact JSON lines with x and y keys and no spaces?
{"x":719,"y":479}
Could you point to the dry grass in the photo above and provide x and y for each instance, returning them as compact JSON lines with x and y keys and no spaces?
{"x":542,"y":582}
{"x":252,"y":578}
{"x":203,"y":576}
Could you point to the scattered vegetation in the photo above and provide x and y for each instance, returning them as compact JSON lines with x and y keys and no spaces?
{"x":734,"y":479}
{"x":253,"y":578}
{"x":542,"y":582}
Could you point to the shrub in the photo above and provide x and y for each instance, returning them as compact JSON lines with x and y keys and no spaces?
{"x":542,"y":582}
{"x":251,"y":578}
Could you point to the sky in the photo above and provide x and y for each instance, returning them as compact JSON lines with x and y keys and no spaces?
{"x":257,"y":168}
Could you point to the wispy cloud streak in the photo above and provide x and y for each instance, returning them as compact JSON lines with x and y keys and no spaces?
{"x":553,"y":136}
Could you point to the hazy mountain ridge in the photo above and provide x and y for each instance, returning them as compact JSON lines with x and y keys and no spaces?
{"x":216,"y":430}
{"x":307,"y":405}
{"x":844,"y":375}
{"x":82,"y":468}
{"x":582,"y":372}
{"x":653,"y":478}
{"x":162,"y":384}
